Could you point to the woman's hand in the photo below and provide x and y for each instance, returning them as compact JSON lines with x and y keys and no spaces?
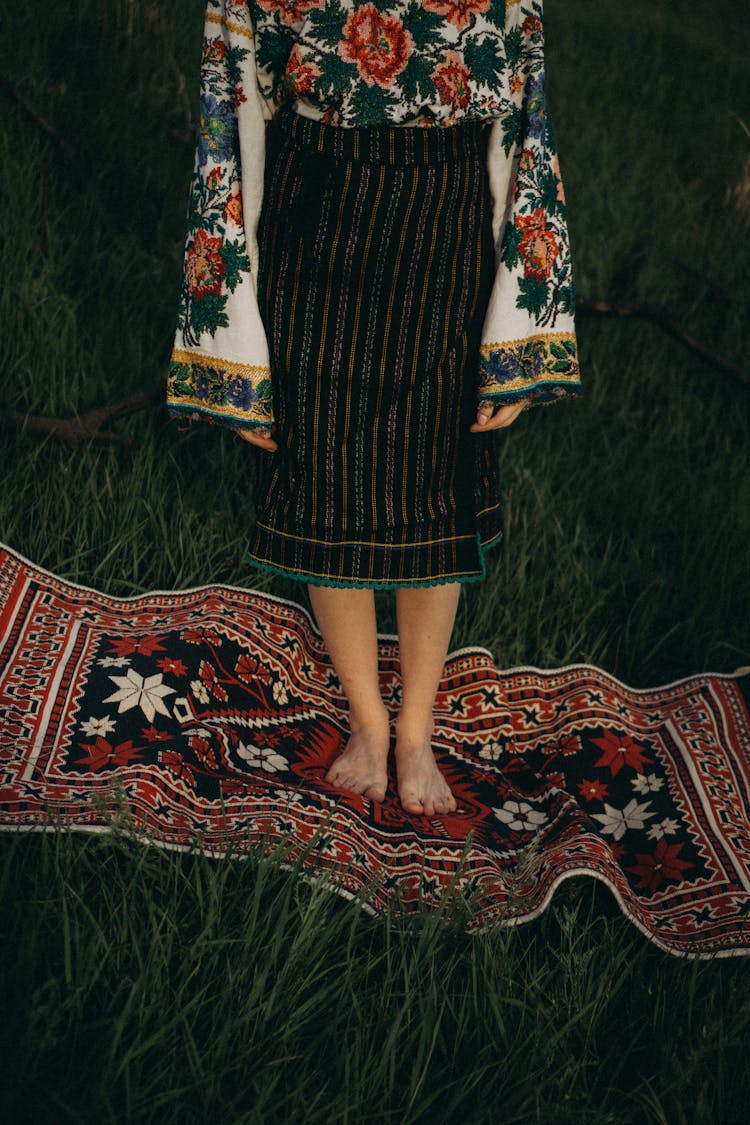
{"x":260,"y":437}
{"x":502,"y":416}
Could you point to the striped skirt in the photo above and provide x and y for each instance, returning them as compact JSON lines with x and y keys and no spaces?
{"x":375,"y":270}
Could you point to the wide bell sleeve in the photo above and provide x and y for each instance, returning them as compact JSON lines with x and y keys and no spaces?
{"x":219,"y":369}
{"x":528,"y":348}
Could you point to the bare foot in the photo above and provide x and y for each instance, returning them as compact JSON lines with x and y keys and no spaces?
{"x":421,"y":786}
{"x":362,"y":766}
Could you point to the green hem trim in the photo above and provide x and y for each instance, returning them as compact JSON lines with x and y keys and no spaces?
{"x":491,"y":542}
{"x":573,"y":390}
{"x":343,"y":583}
{"x":176,"y":411}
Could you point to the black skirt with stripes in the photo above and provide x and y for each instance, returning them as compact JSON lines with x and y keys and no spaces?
{"x":375,"y":270}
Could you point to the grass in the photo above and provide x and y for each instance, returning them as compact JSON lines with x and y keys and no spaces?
{"x":151,"y":988}
{"x":140,"y":985}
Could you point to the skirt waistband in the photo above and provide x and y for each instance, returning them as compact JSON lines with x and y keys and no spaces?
{"x":383,"y":144}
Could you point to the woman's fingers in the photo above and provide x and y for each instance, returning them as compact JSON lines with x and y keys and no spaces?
{"x":490,"y":419}
{"x":259,"y":437}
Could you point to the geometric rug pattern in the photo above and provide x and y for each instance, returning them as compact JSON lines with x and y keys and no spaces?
{"x":208,"y":718}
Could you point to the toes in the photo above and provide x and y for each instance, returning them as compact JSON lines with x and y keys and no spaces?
{"x":341,"y":779}
{"x":428,"y":806}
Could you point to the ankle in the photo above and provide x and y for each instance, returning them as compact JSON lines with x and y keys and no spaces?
{"x":414,"y":729}
{"x":372,"y":717}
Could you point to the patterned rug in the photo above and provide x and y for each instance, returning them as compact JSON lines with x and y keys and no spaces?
{"x":208,"y":718}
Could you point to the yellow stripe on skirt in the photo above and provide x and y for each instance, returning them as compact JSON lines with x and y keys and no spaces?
{"x":375,"y":270}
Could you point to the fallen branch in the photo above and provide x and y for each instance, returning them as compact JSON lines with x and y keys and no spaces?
{"x":661,"y":317}
{"x":86,"y":427}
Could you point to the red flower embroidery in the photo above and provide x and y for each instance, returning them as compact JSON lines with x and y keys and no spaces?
{"x":233,"y":209}
{"x":215,"y":51}
{"x":214,"y":178}
{"x":204,"y":267}
{"x":571,"y":744}
{"x":198,"y":635}
{"x":592,"y":790}
{"x":300,"y":75}
{"x":151,"y":734}
{"x":207,"y":673}
{"x":620,"y":750}
{"x":653,"y":870}
{"x":290,"y":11}
{"x":177,"y":766}
{"x":452,"y":80}
{"x":208,"y":755}
{"x":126,"y":646}
{"x":538,"y":245}
{"x":532,"y":26}
{"x":102,"y":753}
{"x":378,"y":44}
{"x":459,"y":12}
{"x":526,"y":160}
{"x":169,"y":664}
{"x":566,"y":746}
{"x":249,"y":669}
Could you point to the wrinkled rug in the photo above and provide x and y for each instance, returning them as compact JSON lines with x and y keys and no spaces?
{"x":207,"y":719}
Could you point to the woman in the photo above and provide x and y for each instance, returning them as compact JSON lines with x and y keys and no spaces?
{"x":377,"y":277}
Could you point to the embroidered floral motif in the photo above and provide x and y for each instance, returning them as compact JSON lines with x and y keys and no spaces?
{"x":377,"y":43}
{"x":204,"y":266}
{"x":214,"y":261}
{"x":220,"y":387}
{"x":202,"y":384}
{"x":423,"y":62}
{"x":542,"y":368}
{"x":536,"y":238}
{"x":457,"y":12}
{"x":409,"y":61}
{"x":451,"y":79}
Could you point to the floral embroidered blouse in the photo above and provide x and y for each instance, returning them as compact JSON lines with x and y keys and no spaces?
{"x":427,"y":63}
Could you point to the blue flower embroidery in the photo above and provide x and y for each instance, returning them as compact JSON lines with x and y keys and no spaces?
{"x":241,"y":393}
{"x":503,"y":366}
{"x":536,"y":104}
{"x":217,"y":130}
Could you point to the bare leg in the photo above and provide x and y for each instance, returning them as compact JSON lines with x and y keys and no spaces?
{"x":346,"y":618}
{"x":425,"y":617}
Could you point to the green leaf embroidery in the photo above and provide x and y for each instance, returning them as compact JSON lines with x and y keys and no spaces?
{"x":236,"y":260}
{"x":513,"y":46}
{"x":426,"y":31}
{"x":511,"y":242}
{"x":485,"y":64}
{"x":208,"y":314}
{"x":533,"y":295}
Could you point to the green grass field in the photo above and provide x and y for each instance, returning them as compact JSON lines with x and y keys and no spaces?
{"x":142,"y":986}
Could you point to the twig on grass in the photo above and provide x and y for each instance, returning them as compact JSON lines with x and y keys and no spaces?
{"x":86,"y":427}
{"x":662,"y":318}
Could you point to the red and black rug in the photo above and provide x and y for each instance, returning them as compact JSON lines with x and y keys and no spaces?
{"x":208,"y":718}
